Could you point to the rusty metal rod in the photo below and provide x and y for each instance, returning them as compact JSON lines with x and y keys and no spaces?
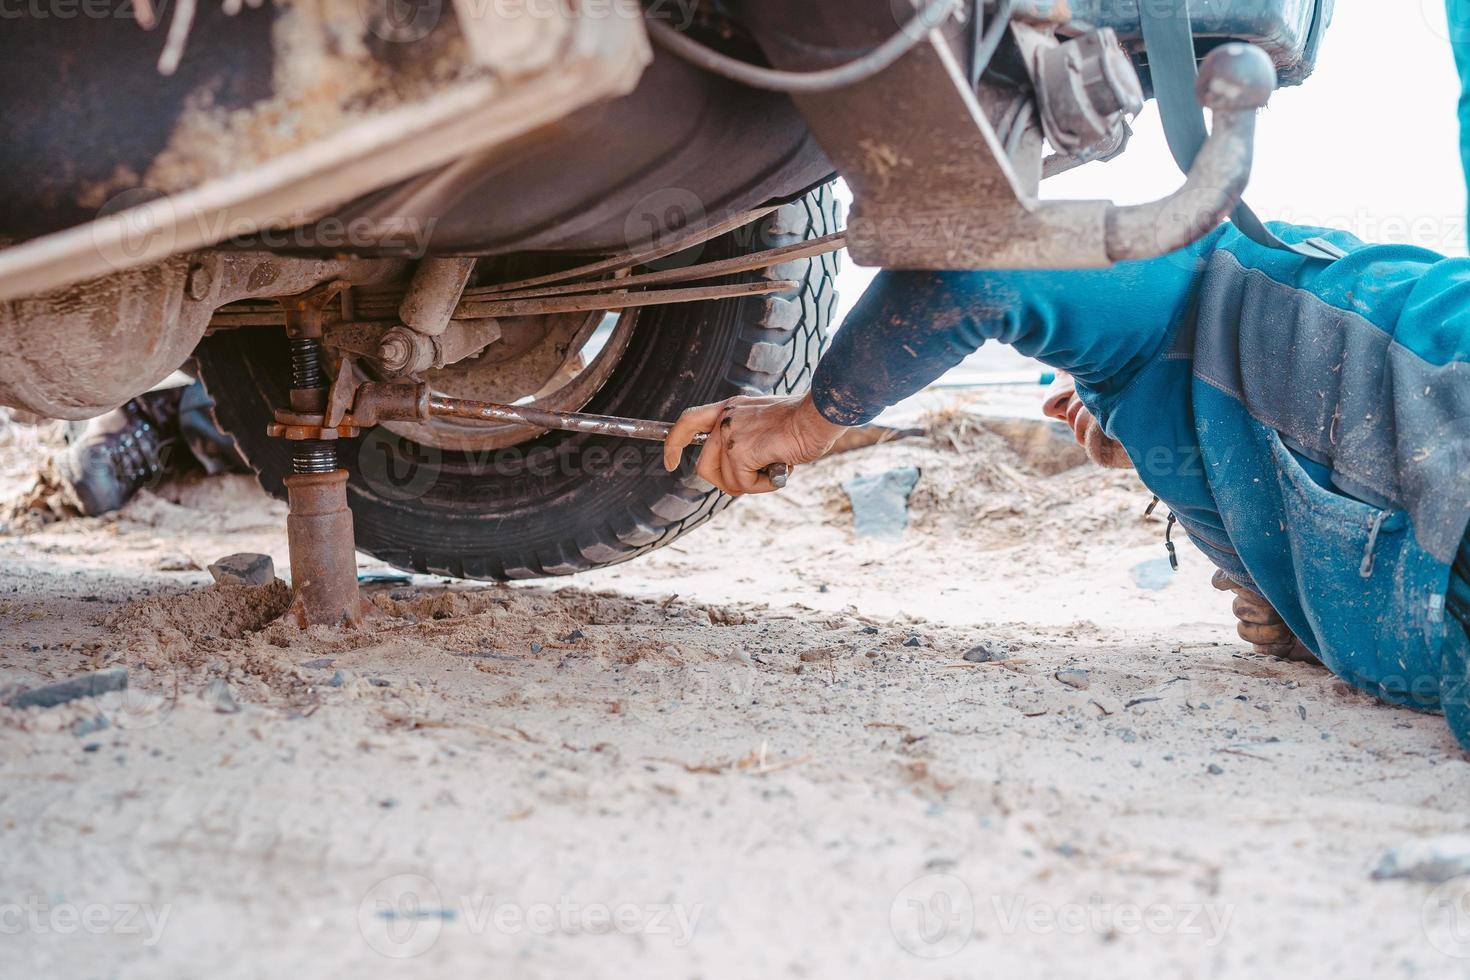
{"x":693,"y":273}
{"x":602,"y":425}
{"x":540,"y":418}
{"x":592,"y":302}
{"x":628,"y":260}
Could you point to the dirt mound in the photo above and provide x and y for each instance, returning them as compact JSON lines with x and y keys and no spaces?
{"x":29,"y":485}
{"x":204,"y":614}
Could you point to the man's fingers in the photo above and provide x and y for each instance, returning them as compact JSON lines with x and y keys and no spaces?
{"x":690,"y":424}
{"x":1258,"y":634}
{"x":1250,"y":609}
{"x":711,"y":461}
{"x":732,"y":475}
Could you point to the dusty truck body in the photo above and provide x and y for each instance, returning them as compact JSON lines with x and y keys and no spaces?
{"x":569,"y":204}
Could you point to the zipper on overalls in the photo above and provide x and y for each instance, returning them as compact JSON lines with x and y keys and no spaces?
{"x":1366,"y":569}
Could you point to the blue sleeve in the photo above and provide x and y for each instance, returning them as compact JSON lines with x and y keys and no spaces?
{"x":909,"y":328}
{"x":1459,"y":24}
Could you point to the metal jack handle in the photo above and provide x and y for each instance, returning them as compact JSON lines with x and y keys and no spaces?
{"x":375,"y":402}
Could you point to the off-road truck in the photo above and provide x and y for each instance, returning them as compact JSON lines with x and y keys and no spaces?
{"x":522,"y":201}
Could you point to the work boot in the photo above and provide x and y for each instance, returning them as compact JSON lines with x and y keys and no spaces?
{"x":110,"y":458}
{"x":210,"y":447}
{"x":1259,"y":624}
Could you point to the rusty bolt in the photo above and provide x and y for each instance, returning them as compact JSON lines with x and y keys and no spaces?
{"x":395,"y":353}
{"x":196,"y":286}
{"x":1108,"y":76}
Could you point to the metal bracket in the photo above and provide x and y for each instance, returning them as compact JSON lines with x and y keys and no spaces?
{"x":933,"y":186}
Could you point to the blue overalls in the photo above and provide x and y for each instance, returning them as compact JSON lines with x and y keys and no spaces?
{"x":1308,"y":423}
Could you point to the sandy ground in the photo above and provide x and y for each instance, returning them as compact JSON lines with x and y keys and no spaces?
{"x":760,"y":752}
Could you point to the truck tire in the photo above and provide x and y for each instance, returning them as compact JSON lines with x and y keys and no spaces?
{"x":563,"y":502}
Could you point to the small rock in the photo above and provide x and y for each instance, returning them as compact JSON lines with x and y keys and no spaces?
{"x":913,"y":641}
{"x":64,"y":692}
{"x":574,"y":636}
{"x":340,"y":678}
{"x":739,"y":656}
{"x":1074,"y":677}
{"x":983,"y":655}
{"x":320,"y":663}
{"x":378,"y":682}
{"x":870,"y":630}
{"x":176,"y":563}
{"x":244,"y":569}
{"x":537,"y":648}
{"x":218,"y":694}
{"x":880,"y":502}
{"x":88,"y":726}
{"x":1215,"y":769}
{"x":1433,"y":860}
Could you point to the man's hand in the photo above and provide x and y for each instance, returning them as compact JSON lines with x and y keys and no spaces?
{"x":1260,"y":625}
{"x":749,"y":434}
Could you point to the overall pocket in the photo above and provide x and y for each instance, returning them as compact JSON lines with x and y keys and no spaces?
{"x":1374,"y":597}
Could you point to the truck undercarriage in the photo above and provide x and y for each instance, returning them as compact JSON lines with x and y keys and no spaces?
{"x":574,"y":206}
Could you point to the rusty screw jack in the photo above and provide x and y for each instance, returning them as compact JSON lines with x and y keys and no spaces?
{"x":323,"y":557}
{"x":319,"y":524}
